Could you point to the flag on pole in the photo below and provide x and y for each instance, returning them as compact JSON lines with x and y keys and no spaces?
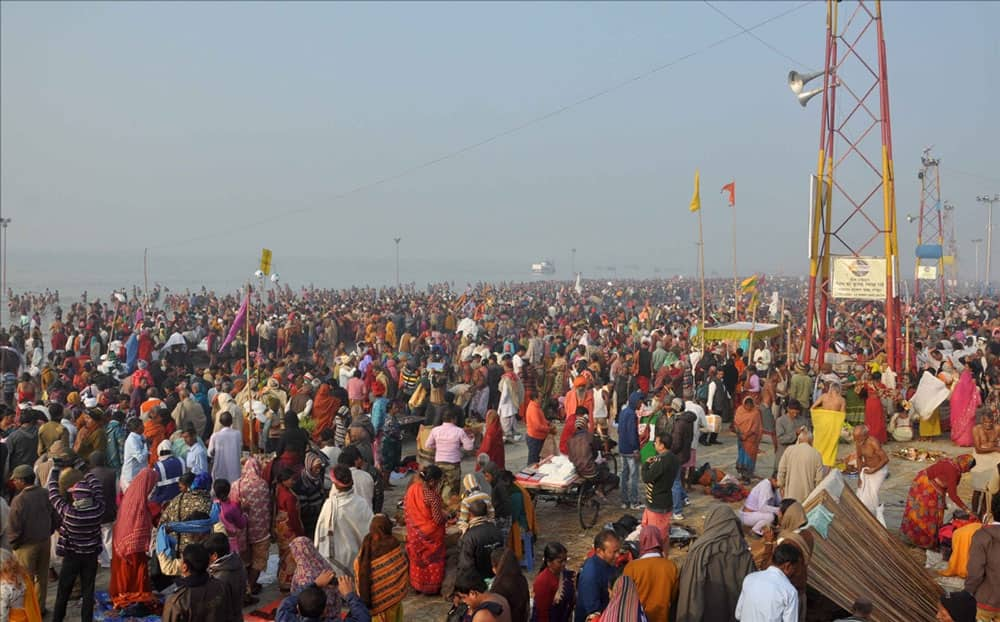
{"x":238,"y":321}
{"x":749,"y":285}
{"x":696,"y":199}
{"x":731,"y":189}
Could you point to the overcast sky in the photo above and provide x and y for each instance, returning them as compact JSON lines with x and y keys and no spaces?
{"x":211,"y":130}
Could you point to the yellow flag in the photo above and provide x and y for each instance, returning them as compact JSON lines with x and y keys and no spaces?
{"x":696,"y":199}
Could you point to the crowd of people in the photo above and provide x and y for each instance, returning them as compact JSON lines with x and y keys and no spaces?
{"x":177,"y":438}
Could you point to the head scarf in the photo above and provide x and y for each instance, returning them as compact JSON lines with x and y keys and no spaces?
{"x":308,"y":565}
{"x":378,"y":543}
{"x":964,"y":462}
{"x":650,"y":540}
{"x":624,"y":604}
{"x":492,"y":418}
{"x":794,"y":517}
{"x":131,"y":531}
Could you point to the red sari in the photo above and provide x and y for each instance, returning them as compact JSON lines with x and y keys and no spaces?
{"x":287,"y":527}
{"x":425,"y":537}
{"x":492,"y":444}
{"x":324,"y":408}
{"x":875,"y":413}
{"x":129,"y":583}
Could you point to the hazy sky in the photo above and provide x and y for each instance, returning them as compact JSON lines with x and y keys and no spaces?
{"x":210,"y":130}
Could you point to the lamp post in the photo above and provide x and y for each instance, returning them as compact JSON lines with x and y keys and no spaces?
{"x":572,"y":261}
{"x":396,"y":240}
{"x":3,"y":309}
{"x":977,"y":242}
{"x":989,"y":201}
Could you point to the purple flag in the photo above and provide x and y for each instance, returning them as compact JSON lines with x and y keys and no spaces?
{"x":241,"y":318}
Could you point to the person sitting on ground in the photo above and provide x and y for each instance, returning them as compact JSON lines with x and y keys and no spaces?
{"x":762,"y":505}
{"x":308,"y":604}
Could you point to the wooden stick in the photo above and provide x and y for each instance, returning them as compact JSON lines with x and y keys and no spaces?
{"x":701,"y":270}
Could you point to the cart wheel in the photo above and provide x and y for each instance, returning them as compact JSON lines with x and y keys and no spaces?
{"x":587,"y":506}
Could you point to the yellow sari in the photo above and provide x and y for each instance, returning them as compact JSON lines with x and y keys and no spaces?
{"x":18,"y":596}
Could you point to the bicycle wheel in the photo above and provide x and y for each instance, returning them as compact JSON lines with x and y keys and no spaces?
{"x":587,"y":506}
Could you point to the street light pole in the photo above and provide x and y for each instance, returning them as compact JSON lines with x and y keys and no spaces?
{"x":977,"y":242}
{"x":572,"y":262}
{"x":989,"y":201}
{"x":396,"y":240}
{"x":3,"y":310}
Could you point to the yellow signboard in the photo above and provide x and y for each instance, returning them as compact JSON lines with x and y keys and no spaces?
{"x":858,"y":278}
{"x":265,"y":261}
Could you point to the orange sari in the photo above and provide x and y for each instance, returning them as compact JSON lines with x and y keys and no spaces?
{"x":324,"y":408}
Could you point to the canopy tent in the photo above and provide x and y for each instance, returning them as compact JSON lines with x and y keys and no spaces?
{"x":738,"y":331}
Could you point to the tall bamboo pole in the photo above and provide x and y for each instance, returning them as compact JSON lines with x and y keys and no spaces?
{"x":701,"y":271}
{"x":736,"y":278}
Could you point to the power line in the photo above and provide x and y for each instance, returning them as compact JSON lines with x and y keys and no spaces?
{"x":973,"y":175}
{"x":748,"y":31}
{"x":503,"y":134}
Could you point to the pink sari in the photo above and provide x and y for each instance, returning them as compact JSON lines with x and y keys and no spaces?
{"x":965,"y":400}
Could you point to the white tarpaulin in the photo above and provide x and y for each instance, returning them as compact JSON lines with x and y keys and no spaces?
{"x":931,"y":392}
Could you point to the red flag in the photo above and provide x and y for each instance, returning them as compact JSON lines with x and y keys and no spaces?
{"x":731,"y":189}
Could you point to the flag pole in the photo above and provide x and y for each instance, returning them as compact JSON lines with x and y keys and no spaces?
{"x":247,"y":333}
{"x":736,"y":278}
{"x":701,"y":274}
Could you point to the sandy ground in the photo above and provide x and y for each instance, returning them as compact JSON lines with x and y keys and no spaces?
{"x":559,"y":522}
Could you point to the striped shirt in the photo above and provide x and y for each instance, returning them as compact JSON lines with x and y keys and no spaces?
{"x":80,"y":529}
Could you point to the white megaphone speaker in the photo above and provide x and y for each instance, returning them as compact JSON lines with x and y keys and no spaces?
{"x":797,"y":81}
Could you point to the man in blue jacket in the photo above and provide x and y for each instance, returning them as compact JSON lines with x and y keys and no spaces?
{"x":628,"y":448}
{"x":597,"y":575}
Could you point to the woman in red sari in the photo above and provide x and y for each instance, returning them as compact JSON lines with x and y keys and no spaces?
{"x":287,"y":525}
{"x":425,"y":521}
{"x":492,"y":444}
{"x":925,"y":503}
{"x":874,"y":411}
{"x":129,"y":582}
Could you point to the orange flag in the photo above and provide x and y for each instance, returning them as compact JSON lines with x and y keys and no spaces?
{"x":731,"y":189}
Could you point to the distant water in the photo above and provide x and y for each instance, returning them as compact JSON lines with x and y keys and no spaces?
{"x":99,"y":273}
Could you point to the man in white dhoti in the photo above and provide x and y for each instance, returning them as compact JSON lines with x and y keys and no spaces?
{"x":873,"y":468}
{"x":343,"y":522}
